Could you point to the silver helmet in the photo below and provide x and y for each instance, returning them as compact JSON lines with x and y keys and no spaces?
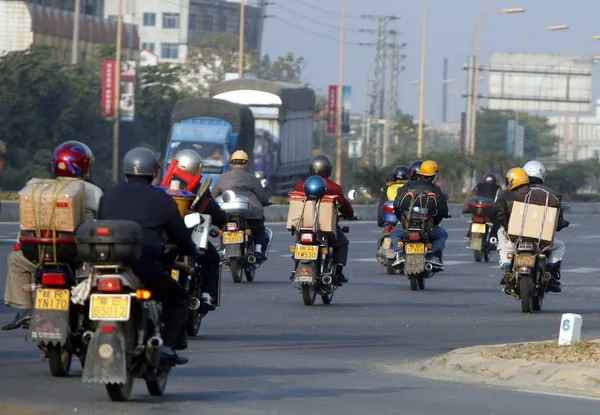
{"x":535,"y":168}
{"x":190,"y":161}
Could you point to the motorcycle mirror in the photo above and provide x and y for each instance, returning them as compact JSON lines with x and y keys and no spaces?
{"x":192,"y":220}
{"x":566,"y":207}
{"x":352,"y":194}
{"x":228,"y":196}
{"x":264,"y":182}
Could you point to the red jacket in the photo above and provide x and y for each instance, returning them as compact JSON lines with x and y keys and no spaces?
{"x":334,"y":189}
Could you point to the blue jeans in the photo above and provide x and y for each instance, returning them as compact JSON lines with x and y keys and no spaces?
{"x":438,"y":236}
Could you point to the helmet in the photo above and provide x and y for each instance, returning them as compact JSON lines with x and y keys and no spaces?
{"x":240,"y":157}
{"x":315,"y":187}
{"x":190,"y":161}
{"x":401,"y":173}
{"x":413,"y":170}
{"x":429,"y":168}
{"x":490,"y":178}
{"x":515,"y":178}
{"x":320,"y":165}
{"x":536,"y":169}
{"x":72,"y":159}
{"x":140,"y":161}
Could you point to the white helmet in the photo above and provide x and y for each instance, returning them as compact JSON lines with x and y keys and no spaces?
{"x":534,"y":168}
{"x":190,"y":161}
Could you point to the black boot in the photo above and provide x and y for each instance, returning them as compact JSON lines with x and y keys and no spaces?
{"x":21,"y":320}
{"x":339,"y":276}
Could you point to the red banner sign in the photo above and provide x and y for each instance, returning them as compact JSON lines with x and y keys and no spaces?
{"x":108,"y":89}
{"x":332,"y":110}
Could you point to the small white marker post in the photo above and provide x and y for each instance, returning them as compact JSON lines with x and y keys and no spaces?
{"x":570,"y":329}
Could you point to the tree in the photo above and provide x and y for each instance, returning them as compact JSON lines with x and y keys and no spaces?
{"x":284,"y":69}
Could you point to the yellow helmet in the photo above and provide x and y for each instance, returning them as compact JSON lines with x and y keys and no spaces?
{"x":239,"y":157}
{"x":515,"y":178}
{"x":429,"y":168}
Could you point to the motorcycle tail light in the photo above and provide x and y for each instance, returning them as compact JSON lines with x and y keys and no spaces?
{"x":110,"y":284}
{"x":389,"y":229}
{"x":413,"y":236}
{"x":307,"y":237}
{"x":103,"y":231}
{"x":108,"y":329}
{"x":46,"y":234}
{"x":17,"y":247}
{"x":232,"y":226}
{"x":479,"y":219}
{"x":53,"y":278}
{"x":388,"y":209}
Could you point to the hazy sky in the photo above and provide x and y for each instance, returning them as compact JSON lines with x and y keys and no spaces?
{"x":310,"y":28}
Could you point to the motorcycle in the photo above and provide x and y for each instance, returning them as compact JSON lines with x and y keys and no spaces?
{"x":314,"y":271}
{"x":237,"y":240}
{"x":480,"y":228}
{"x":385,"y":255}
{"x":127,"y":341}
{"x":57,"y":326}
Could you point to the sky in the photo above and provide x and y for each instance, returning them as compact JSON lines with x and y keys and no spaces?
{"x":311,"y":28}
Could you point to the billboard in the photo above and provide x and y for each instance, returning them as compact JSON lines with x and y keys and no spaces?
{"x":540,"y":82}
{"x":354,"y":149}
{"x":127,"y":101}
{"x":108,"y":90}
{"x":332,"y":103}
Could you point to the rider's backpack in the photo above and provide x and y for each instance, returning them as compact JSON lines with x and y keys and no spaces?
{"x":418,"y":207}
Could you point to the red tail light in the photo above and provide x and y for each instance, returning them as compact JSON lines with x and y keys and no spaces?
{"x":110,"y":284}
{"x":103,"y":231}
{"x":232,"y":226}
{"x":479,"y":219}
{"x":388,"y":208}
{"x":307,"y":237}
{"x":17,"y":247}
{"x":389,"y":229}
{"x":414,"y":236}
{"x":108,"y":329}
{"x":46,"y":234}
{"x":53,"y":278}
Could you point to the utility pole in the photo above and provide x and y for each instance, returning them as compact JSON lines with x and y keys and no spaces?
{"x":262,"y":4}
{"x":391,"y":96}
{"x":117,"y":97}
{"x":422,"y":91}
{"x":445,"y":92}
{"x":340,"y":88}
{"x":76,"y":17}
{"x":241,"y":47}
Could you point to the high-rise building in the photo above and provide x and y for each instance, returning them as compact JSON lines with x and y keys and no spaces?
{"x":169,"y":27}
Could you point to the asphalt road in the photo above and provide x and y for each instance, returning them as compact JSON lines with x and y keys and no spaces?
{"x":264,"y":352}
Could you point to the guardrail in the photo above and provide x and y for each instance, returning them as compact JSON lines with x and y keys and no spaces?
{"x":9,"y":211}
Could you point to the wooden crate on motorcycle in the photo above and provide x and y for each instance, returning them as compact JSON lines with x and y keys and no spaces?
{"x":534,"y":215}
{"x":302,"y":212}
{"x":52,"y":204}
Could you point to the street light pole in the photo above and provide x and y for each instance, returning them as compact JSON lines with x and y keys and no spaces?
{"x":539,"y":29}
{"x":422,"y":89}
{"x":75,"y":46}
{"x":338,"y":164}
{"x":578,"y":42}
{"x":241,"y":47}
{"x":117,"y":97}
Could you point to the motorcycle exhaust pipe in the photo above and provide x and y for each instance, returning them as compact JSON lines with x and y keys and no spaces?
{"x":508,"y":277}
{"x":194,"y":304}
{"x":86,"y":337}
{"x":251,"y":259}
{"x":153,"y":350}
{"x":428,"y":267}
{"x":493,"y":240}
{"x":327,"y":280}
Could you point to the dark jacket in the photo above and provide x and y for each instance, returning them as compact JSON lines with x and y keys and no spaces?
{"x":422,"y":186}
{"x":154,"y":210}
{"x":208,"y":206}
{"x":562,"y":223}
{"x":334,"y":189}
{"x":503,"y":206}
{"x":482,"y":189}
{"x":246,"y":184}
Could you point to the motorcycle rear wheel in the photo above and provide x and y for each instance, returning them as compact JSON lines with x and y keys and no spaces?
{"x":236,"y":270}
{"x":58,"y":366}
{"x":309,"y":293}
{"x":156,"y":387}
{"x":120,"y":392}
{"x":413,"y":283}
{"x":192,"y":327}
{"x":389,"y":267}
{"x":477,"y":255}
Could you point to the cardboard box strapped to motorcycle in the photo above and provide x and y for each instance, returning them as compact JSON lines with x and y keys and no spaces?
{"x":534,"y":215}
{"x":301,"y":212}
{"x":52,"y":204}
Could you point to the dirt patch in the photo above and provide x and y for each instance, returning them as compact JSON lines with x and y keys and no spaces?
{"x":549,"y":351}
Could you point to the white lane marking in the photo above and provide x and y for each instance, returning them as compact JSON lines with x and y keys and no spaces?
{"x":445,"y":262}
{"x":561,"y":395}
{"x":581,"y":270}
{"x":590,"y":236}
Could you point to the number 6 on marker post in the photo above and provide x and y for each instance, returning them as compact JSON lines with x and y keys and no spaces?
{"x":570,"y":329}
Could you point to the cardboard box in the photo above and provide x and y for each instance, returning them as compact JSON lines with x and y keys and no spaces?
{"x":301,"y":214}
{"x":533,"y":223}
{"x":52,"y":204}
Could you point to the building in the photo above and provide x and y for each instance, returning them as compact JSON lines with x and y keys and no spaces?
{"x":88,"y":7}
{"x":28,"y":24}
{"x":168,"y":27}
{"x":580,"y":136}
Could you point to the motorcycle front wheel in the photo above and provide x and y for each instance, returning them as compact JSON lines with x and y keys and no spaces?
{"x":59,"y":360}
{"x":309,"y":293}
{"x":236,"y":270}
{"x":527,"y":294}
{"x":157,"y":386}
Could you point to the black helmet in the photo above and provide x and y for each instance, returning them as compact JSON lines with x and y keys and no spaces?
{"x":140,"y":161}
{"x":320,"y":166}
{"x":490,"y":178}
{"x":401,"y":173}
{"x":414,"y":169}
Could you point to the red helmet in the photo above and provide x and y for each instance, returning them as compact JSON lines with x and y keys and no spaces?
{"x":72,"y":159}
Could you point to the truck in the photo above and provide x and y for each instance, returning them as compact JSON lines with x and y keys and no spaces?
{"x":284,"y":121}
{"x":215,"y":128}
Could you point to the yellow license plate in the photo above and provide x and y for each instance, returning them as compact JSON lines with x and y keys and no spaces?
{"x":478,"y":227}
{"x":233,"y":237}
{"x":306,"y":252}
{"x":110,"y":307}
{"x":525,"y":260}
{"x":387,"y":242}
{"x":415,"y":248}
{"x":175,"y":274}
{"x":48,"y":299}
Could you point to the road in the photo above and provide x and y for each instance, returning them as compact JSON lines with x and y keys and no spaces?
{"x":264,"y":352}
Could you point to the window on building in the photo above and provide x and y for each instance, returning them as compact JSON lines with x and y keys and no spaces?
{"x":222,"y":23}
{"x":169,"y":51}
{"x":192,"y":22}
{"x":170,"y":20}
{"x":149,"y":19}
{"x":149,"y":46}
{"x":112,"y":18}
{"x":207,"y":23}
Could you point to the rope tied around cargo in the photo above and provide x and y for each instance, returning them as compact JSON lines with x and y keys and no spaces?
{"x":526,"y":202}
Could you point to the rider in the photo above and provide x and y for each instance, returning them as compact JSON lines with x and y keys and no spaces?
{"x":243,"y":183}
{"x":413,"y":170}
{"x":398,"y":179}
{"x":537,"y":176}
{"x":72,"y":160}
{"x":156,"y":212}
{"x":191,"y":162}
{"x":321,"y":166}
{"x":424,"y":183}
{"x":487,"y":188}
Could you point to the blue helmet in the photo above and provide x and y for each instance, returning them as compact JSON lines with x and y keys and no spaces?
{"x":315,"y":187}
